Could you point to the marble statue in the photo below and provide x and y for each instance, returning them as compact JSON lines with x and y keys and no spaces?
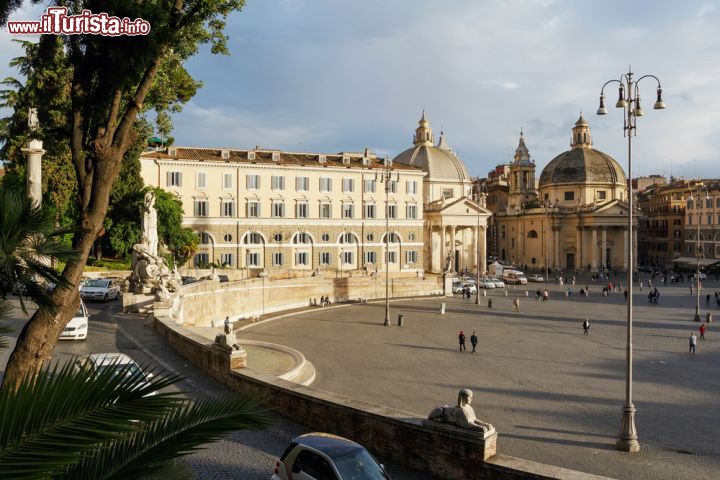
{"x":462,"y":415}
{"x":150,"y":273}
{"x":149,"y":222}
{"x":448,"y":264}
{"x":228,"y":340}
{"x":33,"y":122}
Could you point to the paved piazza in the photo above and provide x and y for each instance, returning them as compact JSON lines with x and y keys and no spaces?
{"x":554,"y":395}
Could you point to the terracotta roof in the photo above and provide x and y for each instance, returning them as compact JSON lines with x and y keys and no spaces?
{"x":265,"y":157}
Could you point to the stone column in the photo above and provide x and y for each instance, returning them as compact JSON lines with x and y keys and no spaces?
{"x":635,"y":248}
{"x":452,"y":248}
{"x":625,"y":248}
{"x":578,"y":248}
{"x":443,"y":254}
{"x":593,"y":245}
{"x":34,"y":152}
{"x":476,"y":247}
{"x":482,"y":239}
{"x":603,"y":246}
{"x":556,"y":251}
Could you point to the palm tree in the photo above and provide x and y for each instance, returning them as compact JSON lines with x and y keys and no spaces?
{"x":73,"y":422}
{"x":28,"y":243}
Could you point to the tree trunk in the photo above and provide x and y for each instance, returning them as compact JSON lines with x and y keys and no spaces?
{"x":41,"y":333}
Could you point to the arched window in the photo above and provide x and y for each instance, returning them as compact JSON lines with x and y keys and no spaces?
{"x":348,"y":238}
{"x":532,"y":234}
{"x":253,"y":238}
{"x":205,"y":238}
{"x":394,"y":238}
{"x":302,"y":238}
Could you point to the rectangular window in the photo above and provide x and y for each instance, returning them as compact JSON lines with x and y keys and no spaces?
{"x":370,"y":186}
{"x":411,"y":256}
{"x":348,"y":210}
{"x":227,"y":259}
{"x":370,"y":257}
{"x":253,"y":209}
{"x":708,"y":203}
{"x":302,"y":210}
{"x":227,"y":181}
{"x":448,"y":193}
{"x":253,"y":182}
{"x":301,"y":258}
{"x":202,"y":259}
{"x":392,"y":185}
{"x":227,"y":208}
{"x":174,"y":179}
{"x":569,"y":196}
{"x":348,"y":185}
{"x":201,"y":208}
{"x":324,"y":258}
{"x":325,"y":184}
{"x":709,"y":219}
{"x":277,"y":182}
{"x":302,"y":184}
{"x":601,"y":194}
{"x":348,"y":257}
{"x":325,"y":210}
{"x":369,"y":210}
{"x":200,"y":181}
{"x":411,"y":187}
{"x":689,"y":222}
{"x":277,"y":259}
{"x":391,"y":211}
{"x":689,"y":204}
{"x":717,"y":202}
{"x":392,"y":257}
{"x":278,"y":209}
{"x":412,"y":211}
{"x":253,"y":259}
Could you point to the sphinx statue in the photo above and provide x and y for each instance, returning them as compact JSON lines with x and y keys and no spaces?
{"x":462,"y":415}
{"x":227,"y":340}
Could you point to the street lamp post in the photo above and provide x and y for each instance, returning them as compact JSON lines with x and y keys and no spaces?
{"x":387,"y":178}
{"x":477,"y":254}
{"x":627,"y":440}
{"x":547,"y":241}
{"x":699,"y":250}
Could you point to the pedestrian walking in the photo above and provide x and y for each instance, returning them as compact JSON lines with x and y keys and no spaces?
{"x":691,"y":289}
{"x":586,"y":327}
{"x":473,"y":341}
{"x":625,"y":295}
{"x":693,"y":342}
{"x":702,"y":331}
{"x":641,"y":285}
{"x":707,"y":300}
{"x":461,"y":339}
{"x":516,"y":305}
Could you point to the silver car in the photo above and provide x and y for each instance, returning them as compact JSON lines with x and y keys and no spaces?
{"x":322,"y":456}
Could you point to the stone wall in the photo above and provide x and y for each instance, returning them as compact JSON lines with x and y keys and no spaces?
{"x":389,"y":433}
{"x":207,"y":303}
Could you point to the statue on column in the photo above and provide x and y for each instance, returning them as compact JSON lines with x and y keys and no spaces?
{"x":33,"y":122}
{"x":149,"y":222}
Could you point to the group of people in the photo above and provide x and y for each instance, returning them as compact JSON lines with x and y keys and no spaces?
{"x":542,"y":294}
{"x":717,"y":299}
{"x":473,"y":341}
{"x":654,"y":296}
{"x":694,"y":339}
{"x":324,"y":301}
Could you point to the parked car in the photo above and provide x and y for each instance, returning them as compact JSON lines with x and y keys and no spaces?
{"x":514,"y":277}
{"x":77,"y":328}
{"x":487,"y":283}
{"x":470,"y":286}
{"x":498,"y":282}
{"x":223,"y":278}
{"x":100,"y":289}
{"x":535,"y":278}
{"x":702,"y":276}
{"x":322,"y":456}
{"x":188,"y":280}
{"x":118,"y":362}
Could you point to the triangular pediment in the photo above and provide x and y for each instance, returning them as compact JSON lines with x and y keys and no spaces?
{"x":612,"y":208}
{"x":460,"y":206}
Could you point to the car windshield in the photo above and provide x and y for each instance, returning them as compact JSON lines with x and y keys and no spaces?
{"x":97,"y":283}
{"x":359,"y":465}
{"x":80,"y":312}
{"x":130,"y":370}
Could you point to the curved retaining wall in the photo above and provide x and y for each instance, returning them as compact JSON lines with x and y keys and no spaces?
{"x":207,"y":303}
{"x":389,"y":433}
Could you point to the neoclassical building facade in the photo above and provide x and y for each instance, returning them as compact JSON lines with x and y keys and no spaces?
{"x":455,"y":223}
{"x":273,"y":211}
{"x":577,"y":216}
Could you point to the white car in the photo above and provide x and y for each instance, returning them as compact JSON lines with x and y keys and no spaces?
{"x":77,"y":328}
{"x":498,"y":283}
{"x":535,"y":278}
{"x":100,"y":289}
{"x":487,"y":283}
{"x":119,"y":362}
{"x":702,"y":276}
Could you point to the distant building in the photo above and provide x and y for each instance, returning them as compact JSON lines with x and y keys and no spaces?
{"x":661,"y":226}
{"x":702,"y":210}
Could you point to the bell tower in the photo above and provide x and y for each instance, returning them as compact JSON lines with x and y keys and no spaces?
{"x":423,"y":134}
{"x":581,"y":134}
{"x":521,"y":191}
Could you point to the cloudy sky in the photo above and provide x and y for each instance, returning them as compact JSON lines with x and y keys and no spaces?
{"x":334,"y":75}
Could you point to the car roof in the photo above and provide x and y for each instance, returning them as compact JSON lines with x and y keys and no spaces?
{"x":99,"y":359}
{"x":331,"y":445}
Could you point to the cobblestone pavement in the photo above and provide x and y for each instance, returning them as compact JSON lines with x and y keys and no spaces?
{"x":554,"y":394}
{"x":242,"y":455}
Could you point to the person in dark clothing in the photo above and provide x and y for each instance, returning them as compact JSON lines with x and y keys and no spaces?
{"x":707,"y":300}
{"x":461,"y":339}
{"x":586,"y":327}
{"x":473,"y":341}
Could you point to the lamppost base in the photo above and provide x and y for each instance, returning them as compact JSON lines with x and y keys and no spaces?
{"x":697,"y":317}
{"x":387,"y":322}
{"x":627,"y":440}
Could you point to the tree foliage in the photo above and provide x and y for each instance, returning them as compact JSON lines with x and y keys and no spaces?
{"x":182,"y":242}
{"x":111,"y":80}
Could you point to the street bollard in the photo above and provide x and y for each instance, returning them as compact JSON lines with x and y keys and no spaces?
{"x":484,"y":293}
{"x":442,"y":309}
{"x":401,"y":320}
{"x":489,"y":302}
{"x":506,"y":293}
{"x":708,"y":317}
{"x":527,"y":294}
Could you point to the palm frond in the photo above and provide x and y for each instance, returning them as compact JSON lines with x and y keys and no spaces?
{"x":53,"y":420}
{"x":149,"y":451}
{"x":5,"y":309}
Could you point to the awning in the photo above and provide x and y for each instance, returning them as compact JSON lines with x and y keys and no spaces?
{"x":704,"y":262}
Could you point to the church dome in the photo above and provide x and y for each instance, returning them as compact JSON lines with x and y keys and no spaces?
{"x":440,"y":162}
{"x":582,"y":164}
